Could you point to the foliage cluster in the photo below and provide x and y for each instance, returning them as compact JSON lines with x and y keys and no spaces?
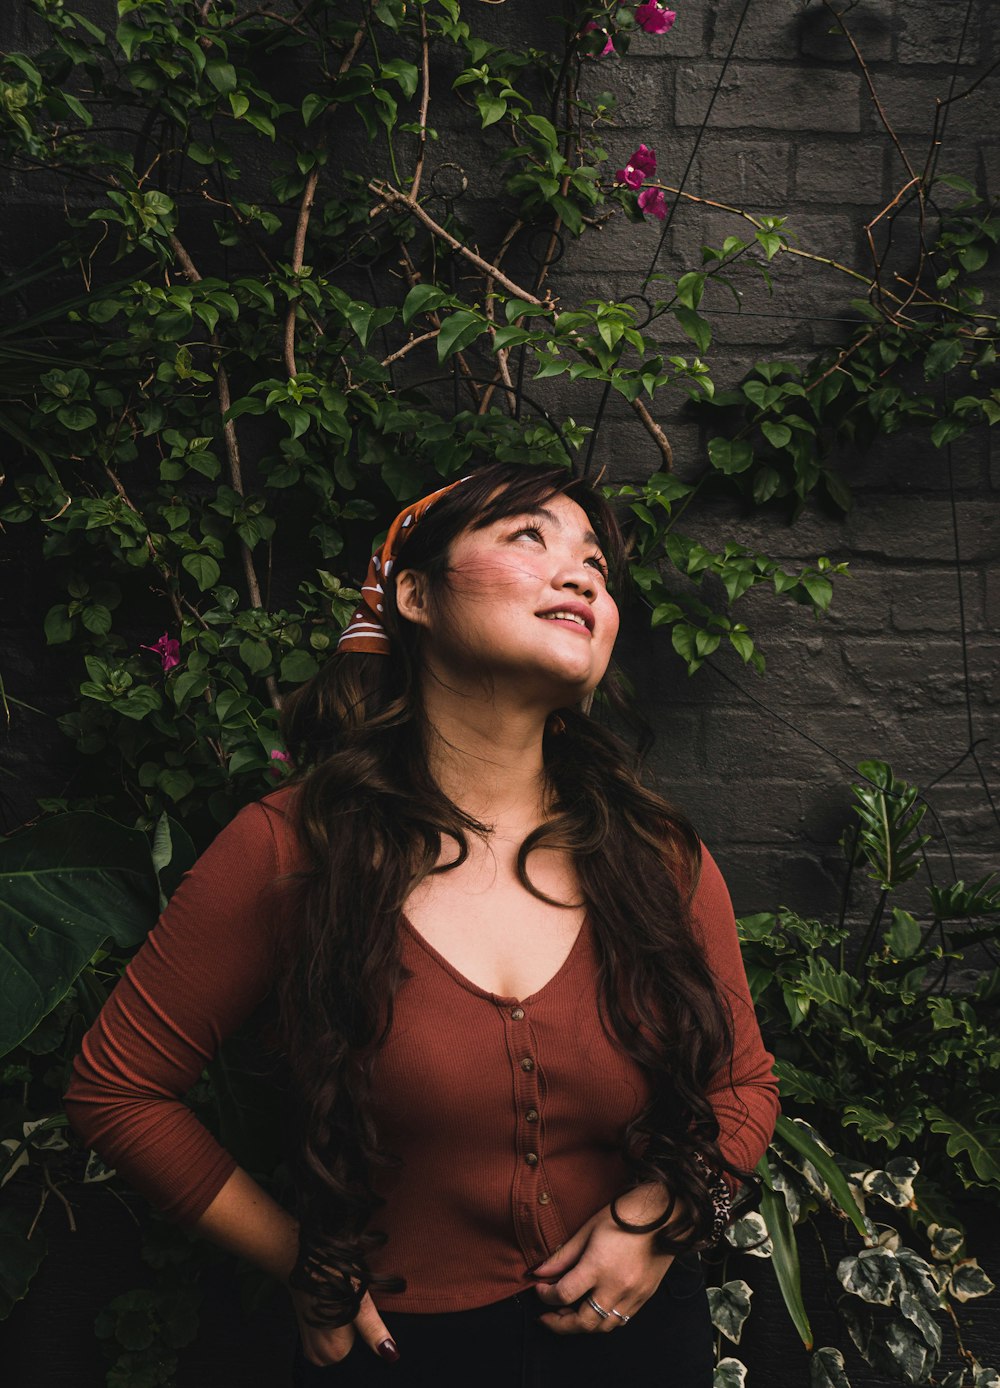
{"x":898,"y":1068}
{"x":254,"y":366}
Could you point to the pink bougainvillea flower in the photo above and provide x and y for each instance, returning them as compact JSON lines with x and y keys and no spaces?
{"x":654,"y":18}
{"x":653,"y":203}
{"x":276,"y":772}
{"x":609,"y":47}
{"x":641,"y":165}
{"x":168,"y":650}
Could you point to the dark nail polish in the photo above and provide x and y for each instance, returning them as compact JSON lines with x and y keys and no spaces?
{"x":388,"y":1351}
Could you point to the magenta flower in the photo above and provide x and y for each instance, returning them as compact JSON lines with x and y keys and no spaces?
{"x":652,"y":202}
{"x":641,"y":165}
{"x":609,"y":47}
{"x":654,"y":18}
{"x":168,"y":650}
{"x":275,"y":772}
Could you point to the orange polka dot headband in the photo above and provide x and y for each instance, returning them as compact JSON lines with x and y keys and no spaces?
{"x":365,"y":632}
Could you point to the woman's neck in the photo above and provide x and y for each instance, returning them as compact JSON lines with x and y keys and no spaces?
{"x":487,"y":758}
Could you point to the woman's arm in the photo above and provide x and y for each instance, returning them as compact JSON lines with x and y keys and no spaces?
{"x":744,"y":1093}
{"x":203,"y":968}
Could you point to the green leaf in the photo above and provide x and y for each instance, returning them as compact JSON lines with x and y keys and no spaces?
{"x":729,"y":1307}
{"x":776,"y":434}
{"x":491,"y":108}
{"x":784,"y":1253}
{"x":826,"y":1369}
{"x":203,"y":569}
{"x":58,"y":624}
{"x":798,"y":1138}
{"x":222,"y":75}
{"x":457,"y":331}
{"x":76,"y":417}
{"x":406,"y":74}
{"x":66,"y":886}
{"x":421,"y":299}
{"x":698,"y":329}
{"x":20,"y":1256}
{"x":298,"y":666}
{"x":730,"y":455}
{"x":980,"y":1147}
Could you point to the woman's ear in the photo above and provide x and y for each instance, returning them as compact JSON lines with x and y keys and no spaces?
{"x":412,"y":596}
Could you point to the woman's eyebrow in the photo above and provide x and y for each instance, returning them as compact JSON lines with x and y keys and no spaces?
{"x":588,"y":536}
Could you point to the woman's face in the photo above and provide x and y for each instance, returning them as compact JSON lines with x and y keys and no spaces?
{"x":525,"y":601}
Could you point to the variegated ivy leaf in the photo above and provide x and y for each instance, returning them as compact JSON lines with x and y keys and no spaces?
{"x":901,"y":1350}
{"x":945,"y":1242}
{"x":49,"y":1138}
{"x":729,"y":1373}
{"x":968,"y":1280}
{"x":872,"y":1274}
{"x":11,"y":1144}
{"x":889,"y":1238}
{"x":956,"y":1379}
{"x":97,"y":1170}
{"x":826,"y":1369}
{"x":730,"y":1306}
{"x":749,"y":1234}
{"x":798,"y":1197}
{"x":880,"y":1183}
{"x":916,"y":1312}
{"x":986,"y":1378}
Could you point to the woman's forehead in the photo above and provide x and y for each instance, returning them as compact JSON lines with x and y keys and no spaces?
{"x":560,"y":512}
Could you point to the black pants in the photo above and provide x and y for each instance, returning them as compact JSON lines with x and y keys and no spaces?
{"x":667,"y":1344}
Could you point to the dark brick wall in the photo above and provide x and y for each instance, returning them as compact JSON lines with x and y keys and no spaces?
{"x":793,"y":130}
{"x":761,"y":764}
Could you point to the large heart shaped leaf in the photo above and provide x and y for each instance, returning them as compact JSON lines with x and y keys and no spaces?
{"x":66,"y":886}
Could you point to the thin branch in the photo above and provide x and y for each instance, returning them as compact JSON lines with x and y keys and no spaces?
{"x":232,"y":452}
{"x":412,"y":278}
{"x":660,"y":438}
{"x":392,"y":197}
{"x":409,"y":346}
{"x":305,"y":212}
{"x":425,"y":96}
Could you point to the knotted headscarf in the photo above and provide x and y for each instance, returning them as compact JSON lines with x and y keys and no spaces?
{"x":365,"y":632}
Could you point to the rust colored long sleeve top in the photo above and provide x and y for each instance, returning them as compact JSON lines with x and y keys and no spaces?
{"x":507,"y":1113}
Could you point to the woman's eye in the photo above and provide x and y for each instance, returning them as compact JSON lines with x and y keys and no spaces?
{"x":528,"y":530}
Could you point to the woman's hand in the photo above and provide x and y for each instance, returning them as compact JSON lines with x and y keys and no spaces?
{"x":322,"y":1346}
{"x":620,"y":1271}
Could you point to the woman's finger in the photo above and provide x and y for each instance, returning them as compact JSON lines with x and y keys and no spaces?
{"x":374,"y":1331}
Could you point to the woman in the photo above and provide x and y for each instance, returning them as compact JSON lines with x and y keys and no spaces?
{"x":513,"y":1009}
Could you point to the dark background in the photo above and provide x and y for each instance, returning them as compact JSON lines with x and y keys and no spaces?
{"x":761,"y":764}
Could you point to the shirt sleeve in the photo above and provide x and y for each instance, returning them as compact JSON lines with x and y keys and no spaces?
{"x":744,"y":1092}
{"x":201,"y":971}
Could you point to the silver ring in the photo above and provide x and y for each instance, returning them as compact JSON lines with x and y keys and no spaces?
{"x":621,"y":1316}
{"x":599,"y":1309}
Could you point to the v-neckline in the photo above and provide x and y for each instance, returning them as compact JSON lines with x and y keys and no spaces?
{"x":481,"y":992}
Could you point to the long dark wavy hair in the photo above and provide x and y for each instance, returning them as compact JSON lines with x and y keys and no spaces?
{"x":372,"y":821}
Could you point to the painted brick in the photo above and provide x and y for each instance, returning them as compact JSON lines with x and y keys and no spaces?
{"x":930,"y":32}
{"x":769,"y":97}
{"x":748,"y":174}
{"x":841,"y":171}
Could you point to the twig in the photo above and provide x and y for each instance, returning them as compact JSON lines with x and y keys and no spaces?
{"x":392,"y":197}
{"x":232,"y":453}
{"x":425,"y":96}
{"x":408,"y":346}
{"x":662,"y":442}
{"x":305,"y":211}
{"x":70,"y":1219}
{"x":412,"y":278}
